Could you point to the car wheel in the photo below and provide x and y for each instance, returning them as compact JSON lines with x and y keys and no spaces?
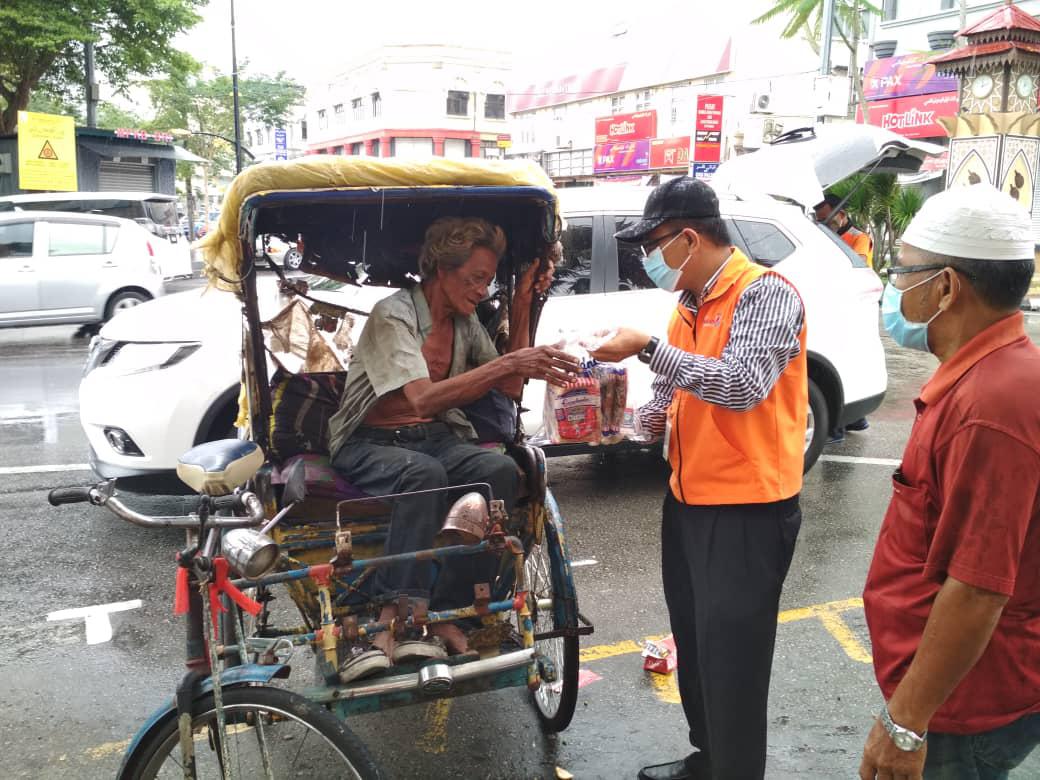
{"x":817,"y":423}
{"x":292,"y":259}
{"x":126,"y":299}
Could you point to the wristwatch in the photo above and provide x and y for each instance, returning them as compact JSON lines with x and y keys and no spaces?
{"x":904,"y":739}
{"x":648,"y":351}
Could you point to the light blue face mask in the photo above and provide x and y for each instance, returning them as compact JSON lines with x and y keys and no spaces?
{"x":912,"y":335}
{"x":660,"y":272}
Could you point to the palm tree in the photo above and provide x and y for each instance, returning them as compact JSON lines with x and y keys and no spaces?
{"x":879,"y":205}
{"x":805,"y":19}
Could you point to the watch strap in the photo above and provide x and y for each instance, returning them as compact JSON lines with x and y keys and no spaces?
{"x":647,"y":352}
{"x":902,"y":736}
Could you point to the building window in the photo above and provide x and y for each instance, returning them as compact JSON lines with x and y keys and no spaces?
{"x":617,"y":104}
{"x":643,"y":100}
{"x":889,"y":10}
{"x":377,"y":105}
{"x":259,"y":137}
{"x":458,"y":103}
{"x":495,"y":107}
{"x":357,"y":148}
{"x":303,"y":130}
{"x":249,"y":139}
{"x":323,"y":119}
{"x":946,"y":5}
{"x":357,"y":108}
{"x":375,"y":148}
{"x":339,"y":113}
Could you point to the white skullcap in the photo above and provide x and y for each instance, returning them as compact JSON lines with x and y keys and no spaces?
{"x":976,"y":222}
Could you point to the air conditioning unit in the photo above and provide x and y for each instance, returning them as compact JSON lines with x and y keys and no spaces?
{"x":761,"y":102}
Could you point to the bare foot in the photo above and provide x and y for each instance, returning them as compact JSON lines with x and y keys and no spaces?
{"x":452,"y":636}
{"x":384,"y":640}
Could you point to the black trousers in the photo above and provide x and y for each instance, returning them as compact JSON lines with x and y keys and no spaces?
{"x":380,"y":468}
{"x":723,"y":568}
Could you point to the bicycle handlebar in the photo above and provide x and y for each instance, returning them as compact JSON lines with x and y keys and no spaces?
{"x":102,"y":495}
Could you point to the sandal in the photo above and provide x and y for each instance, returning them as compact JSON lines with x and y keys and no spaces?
{"x":362,"y":664}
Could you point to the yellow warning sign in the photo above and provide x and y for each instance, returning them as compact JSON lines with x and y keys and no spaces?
{"x":46,"y":152}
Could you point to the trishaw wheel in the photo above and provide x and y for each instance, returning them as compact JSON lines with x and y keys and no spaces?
{"x":289,"y":734}
{"x":544,"y":576}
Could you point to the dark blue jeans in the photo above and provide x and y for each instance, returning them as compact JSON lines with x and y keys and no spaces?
{"x":381,"y":468}
{"x":987,"y":756}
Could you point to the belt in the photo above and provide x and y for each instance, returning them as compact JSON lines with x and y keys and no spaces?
{"x":406,"y":433}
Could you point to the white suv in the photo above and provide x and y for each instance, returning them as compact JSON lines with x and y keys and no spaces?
{"x":165,"y":376}
{"x":601,"y":283}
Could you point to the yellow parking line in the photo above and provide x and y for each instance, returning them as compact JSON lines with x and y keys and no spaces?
{"x":828,"y":613}
{"x":108,"y":749}
{"x":435,"y":740}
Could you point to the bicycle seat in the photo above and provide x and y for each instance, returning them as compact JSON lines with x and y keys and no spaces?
{"x":216,"y":468}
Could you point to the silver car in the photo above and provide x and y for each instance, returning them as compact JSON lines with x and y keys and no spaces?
{"x":73,"y":269}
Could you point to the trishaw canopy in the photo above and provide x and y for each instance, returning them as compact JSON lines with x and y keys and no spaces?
{"x":321,"y":177}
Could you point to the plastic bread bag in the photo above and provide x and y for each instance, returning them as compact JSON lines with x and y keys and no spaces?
{"x":613,"y":394}
{"x":572,"y":412}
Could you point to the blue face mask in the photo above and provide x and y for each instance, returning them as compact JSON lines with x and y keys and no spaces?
{"x":660,"y":272}
{"x":912,"y":335}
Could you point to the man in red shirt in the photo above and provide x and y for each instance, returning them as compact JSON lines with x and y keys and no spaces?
{"x":953,"y":593}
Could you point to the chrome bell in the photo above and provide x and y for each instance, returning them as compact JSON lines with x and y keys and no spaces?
{"x":250,"y":553}
{"x":468,"y":521}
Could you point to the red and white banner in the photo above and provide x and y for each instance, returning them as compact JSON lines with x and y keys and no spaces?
{"x":626,"y":127}
{"x":707,"y":145}
{"x":670,"y":152}
{"x":912,"y":117}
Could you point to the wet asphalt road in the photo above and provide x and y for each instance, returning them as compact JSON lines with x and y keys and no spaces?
{"x":67,"y":708}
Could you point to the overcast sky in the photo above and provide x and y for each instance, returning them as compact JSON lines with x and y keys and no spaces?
{"x":310,"y":38}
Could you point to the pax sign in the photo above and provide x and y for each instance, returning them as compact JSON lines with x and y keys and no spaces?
{"x":626,"y":127}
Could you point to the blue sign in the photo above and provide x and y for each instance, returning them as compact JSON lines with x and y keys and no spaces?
{"x":701,"y":170}
{"x":280,"y":149}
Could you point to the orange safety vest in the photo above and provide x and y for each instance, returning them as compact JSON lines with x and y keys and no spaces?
{"x":861,"y":243}
{"x":722,"y":456}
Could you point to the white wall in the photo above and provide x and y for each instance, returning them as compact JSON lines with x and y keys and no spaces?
{"x":916,"y":18}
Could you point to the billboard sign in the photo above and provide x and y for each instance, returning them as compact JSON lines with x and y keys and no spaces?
{"x":621,"y":156}
{"x":913,"y":117}
{"x":46,"y":152}
{"x":904,"y":76}
{"x":626,"y":127}
{"x":707,"y":144}
{"x":670,"y":152}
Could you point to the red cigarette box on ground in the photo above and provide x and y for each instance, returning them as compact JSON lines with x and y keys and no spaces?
{"x":660,"y":656}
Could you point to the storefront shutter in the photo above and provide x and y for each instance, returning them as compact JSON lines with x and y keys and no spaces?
{"x":126,"y":177}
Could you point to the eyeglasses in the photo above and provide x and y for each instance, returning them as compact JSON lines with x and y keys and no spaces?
{"x":897,"y":270}
{"x":657,"y":242}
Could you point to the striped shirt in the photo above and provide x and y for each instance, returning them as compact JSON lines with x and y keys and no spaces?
{"x":763,"y":339}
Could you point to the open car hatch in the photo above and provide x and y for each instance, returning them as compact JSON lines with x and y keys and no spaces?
{"x":799,"y":165}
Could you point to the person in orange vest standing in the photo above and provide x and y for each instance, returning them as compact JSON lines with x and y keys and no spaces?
{"x":837,"y":219}
{"x":730,"y":398}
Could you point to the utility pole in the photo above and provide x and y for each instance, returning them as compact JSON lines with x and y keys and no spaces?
{"x":826,"y":33}
{"x":234,"y":92}
{"x":91,"y":85}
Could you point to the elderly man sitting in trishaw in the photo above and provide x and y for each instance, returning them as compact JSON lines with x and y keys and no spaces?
{"x":423,"y":353}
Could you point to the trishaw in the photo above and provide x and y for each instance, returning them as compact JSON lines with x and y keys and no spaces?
{"x":273,"y":514}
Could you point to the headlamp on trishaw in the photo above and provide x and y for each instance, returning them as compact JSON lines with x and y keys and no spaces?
{"x":250,"y":553}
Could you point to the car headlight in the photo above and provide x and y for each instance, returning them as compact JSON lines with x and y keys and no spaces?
{"x":136,"y":358}
{"x":99,"y":353}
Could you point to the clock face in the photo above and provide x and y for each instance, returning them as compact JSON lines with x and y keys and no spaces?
{"x":1024,"y":85}
{"x":982,"y":85}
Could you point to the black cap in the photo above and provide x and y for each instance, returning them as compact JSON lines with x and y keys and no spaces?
{"x":682,"y":198}
{"x":831,"y":200}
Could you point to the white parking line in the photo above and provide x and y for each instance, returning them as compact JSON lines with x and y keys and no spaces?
{"x":44,"y":469}
{"x":584,"y":562}
{"x":99,"y":627}
{"x":866,"y":461}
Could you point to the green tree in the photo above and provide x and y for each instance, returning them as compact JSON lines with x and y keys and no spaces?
{"x":41,"y":44}
{"x":805,"y":19}
{"x":880,"y":205}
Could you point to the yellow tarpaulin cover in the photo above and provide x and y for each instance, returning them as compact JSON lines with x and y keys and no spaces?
{"x":221,"y":247}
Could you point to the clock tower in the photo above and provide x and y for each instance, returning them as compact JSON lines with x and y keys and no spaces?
{"x":996,"y":135}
